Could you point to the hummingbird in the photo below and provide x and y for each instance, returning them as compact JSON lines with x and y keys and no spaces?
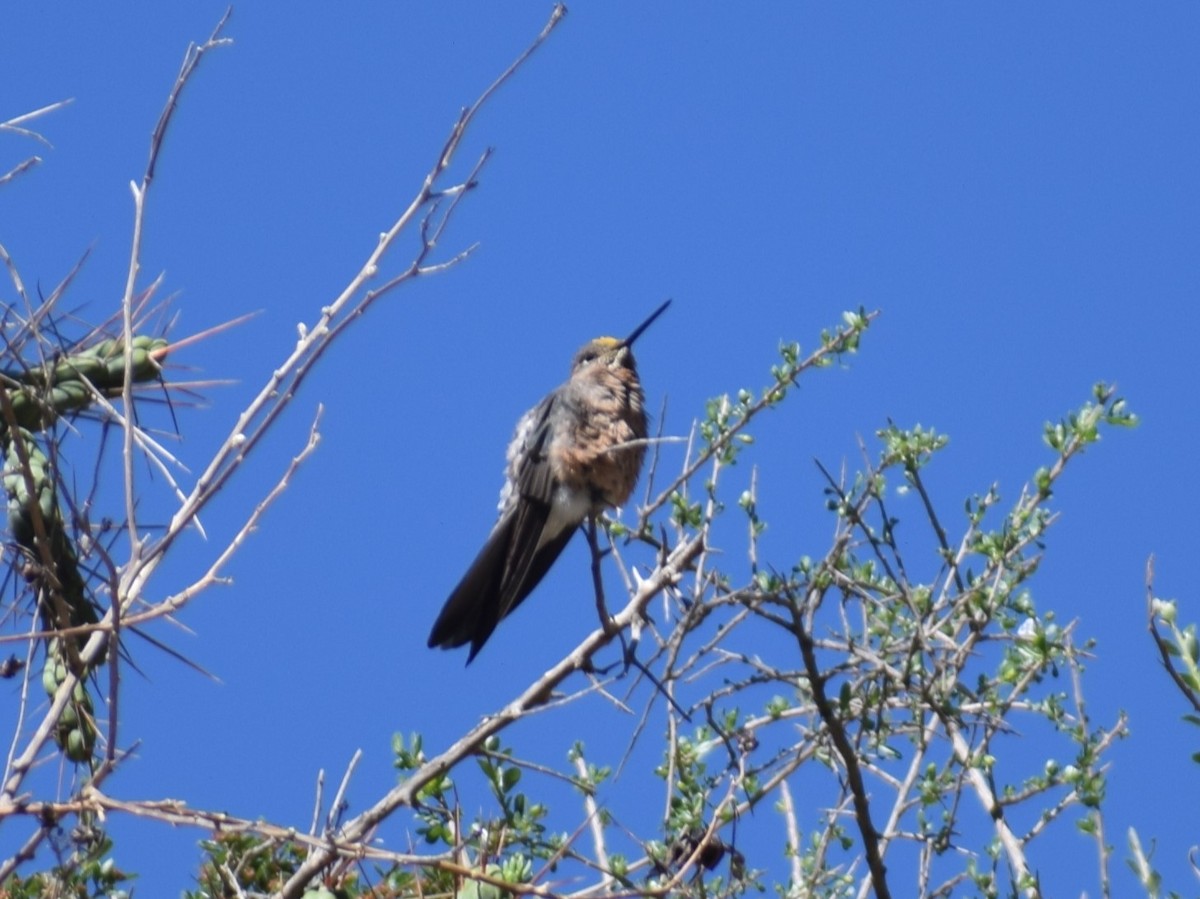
{"x":573,"y":455}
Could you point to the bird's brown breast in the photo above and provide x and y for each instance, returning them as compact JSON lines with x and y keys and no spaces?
{"x":588,"y":449}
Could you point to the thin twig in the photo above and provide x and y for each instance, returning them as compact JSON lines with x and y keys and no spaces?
{"x":592,"y":810}
{"x":191,"y":60}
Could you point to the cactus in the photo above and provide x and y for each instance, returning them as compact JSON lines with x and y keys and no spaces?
{"x":61,"y":588}
{"x":45,"y":394}
{"x":38,"y":397}
{"x":76,"y":730}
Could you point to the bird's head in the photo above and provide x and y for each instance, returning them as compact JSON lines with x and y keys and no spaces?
{"x":612,"y":352}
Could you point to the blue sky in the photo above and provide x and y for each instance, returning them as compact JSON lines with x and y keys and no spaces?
{"x":1014,"y":186}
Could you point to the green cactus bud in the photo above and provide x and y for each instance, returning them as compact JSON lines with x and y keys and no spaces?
{"x":79,"y":744}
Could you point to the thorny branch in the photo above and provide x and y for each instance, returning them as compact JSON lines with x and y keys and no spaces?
{"x":281,"y":387}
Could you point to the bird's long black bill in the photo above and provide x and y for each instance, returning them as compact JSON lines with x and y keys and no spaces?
{"x":637,"y":332}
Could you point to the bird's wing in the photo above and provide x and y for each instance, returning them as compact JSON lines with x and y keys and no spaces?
{"x":511,"y":563}
{"x":534,"y":485}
